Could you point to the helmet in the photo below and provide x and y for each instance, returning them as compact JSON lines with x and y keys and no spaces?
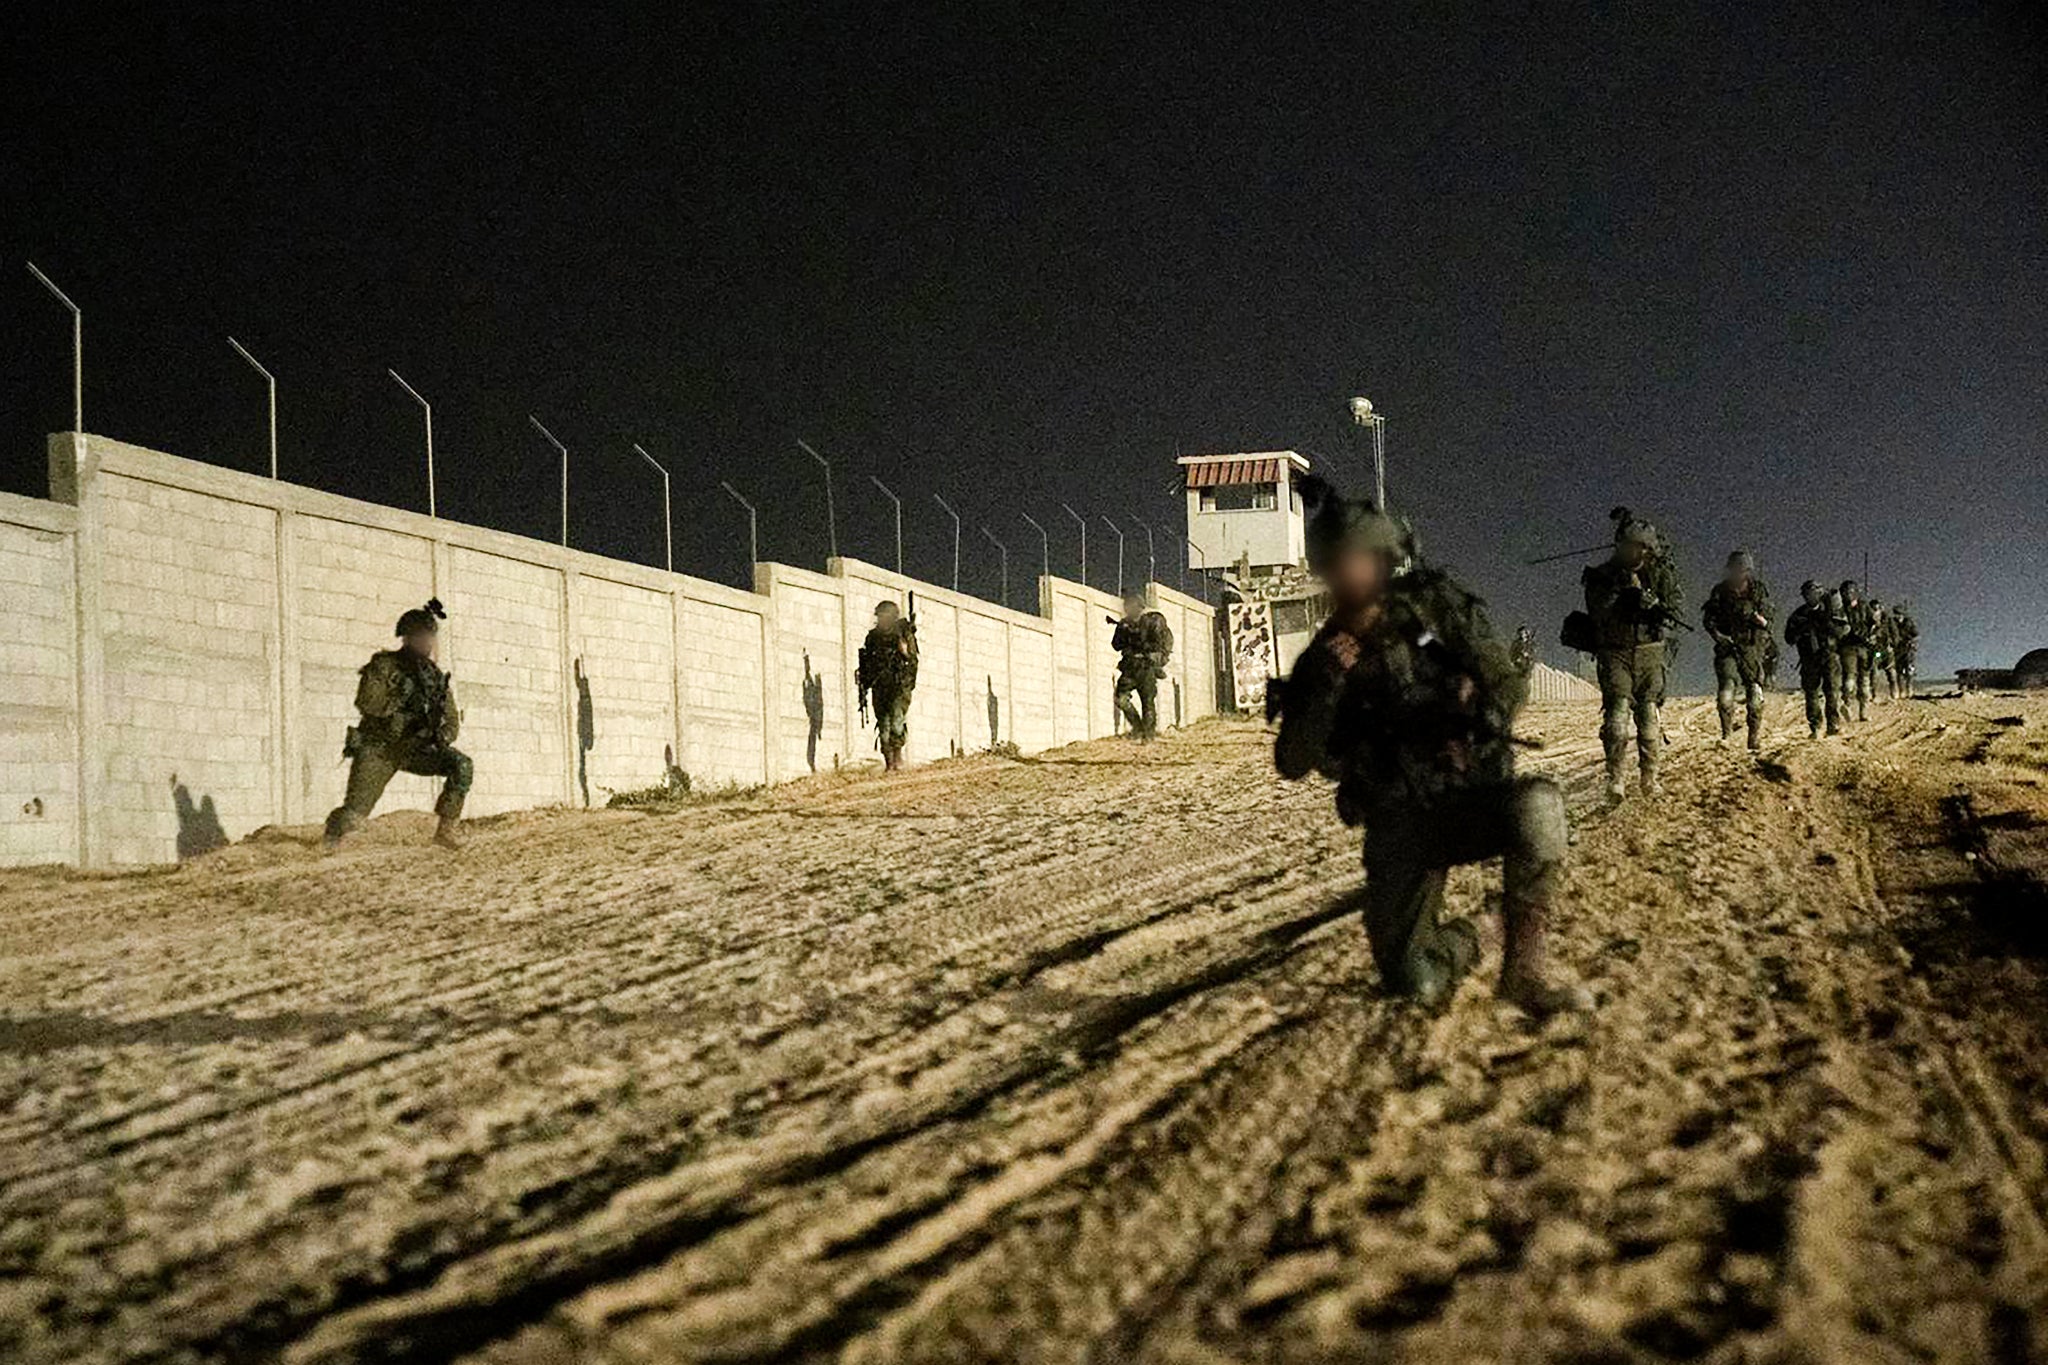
{"x":1636,"y":531}
{"x":1811,"y":590}
{"x":1849,"y":587}
{"x":422,"y":620}
{"x":1338,"y":523}
{"x":1743,"y":560}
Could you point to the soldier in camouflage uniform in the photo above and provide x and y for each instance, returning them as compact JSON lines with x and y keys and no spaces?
{"x":1522,"y":653}
{"x":1881,"y":652}
{"x":1143,"y":642}
{"x":409,"y":725}
{"x":1406,"y":698}
{"x":1854,"y":648}
{"x":1630,"y":621}
{"x":1738,"y":619}
{"x":887,"y":675}
{"x":1814,"y":629}
{"x":1905,"y":646}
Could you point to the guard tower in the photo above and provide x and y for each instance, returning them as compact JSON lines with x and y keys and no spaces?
{"x":1245,"y":508}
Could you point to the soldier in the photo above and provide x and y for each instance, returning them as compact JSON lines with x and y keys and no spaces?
{"x":888,"y":674}
{"x":1854,"y":649}
{"x":1660,"y":576}
{"x":1406,"y":697}
{"x":1522,"y":653}
{"x":1814,"y":628}
{"x":1881,"y":652}
{"x":1905,"y":646}
{"x":1630,"y":621}
{"x":1143,"y":642}
{"x":1738,"y":618}
{"x":410,"y":724}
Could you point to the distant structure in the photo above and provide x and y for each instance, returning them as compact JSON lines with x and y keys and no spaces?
{"x":2029,"y":673}
{"x":1245,"y":520}
{"x":1246,"y":509}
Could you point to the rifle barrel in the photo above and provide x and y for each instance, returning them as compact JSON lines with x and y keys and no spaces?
{"x":1572,"y":554}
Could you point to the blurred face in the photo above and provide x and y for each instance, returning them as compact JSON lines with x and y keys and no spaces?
{"x":1737,"y":577}
{"x":1632,"y":553}
{"x":423,"y":643}
{"x":1356,"y":577}
{"x":1134,"y":607}
{"x":885,"y":615}
{"x":1812,"y":595}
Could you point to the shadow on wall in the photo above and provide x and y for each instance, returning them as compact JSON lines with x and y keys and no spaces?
{"x":995,"y":713}
{"x":814,"y":709}
{"x":1177,"y":720}
{"x":586,"y":731}
{"x":199,"y":829}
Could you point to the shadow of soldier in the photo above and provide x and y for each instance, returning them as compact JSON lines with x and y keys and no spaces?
{"x":586,"y":731}
{"x":814,"y":710}
{"x":199,"y":827}
{"x":995,"y":713}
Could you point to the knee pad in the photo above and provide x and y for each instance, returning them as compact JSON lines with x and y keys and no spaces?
{"x":1542,"y":830}
{"x":461,"y":773}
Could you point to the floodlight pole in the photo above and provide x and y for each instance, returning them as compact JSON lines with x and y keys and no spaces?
{"x":831,"y":517}
{"x":899,"y":520}
{"x":433,"y":510}
{"x":1363,"y":414}
{"x":1044,"y":543}
{"x":1003,"y":551}
{"x":1081,"y":522}
{"x":753,"y":525}
{"x":1119,"y":552}
{"x":270,"y":381}
{"x":565,"y":472}
{"x":77,"y":347}
{"x":956,"y":538}
{"x":668,"y":521}
{"x":1181,"y":541}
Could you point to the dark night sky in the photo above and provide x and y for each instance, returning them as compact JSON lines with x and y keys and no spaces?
{"x":1775,"y":275}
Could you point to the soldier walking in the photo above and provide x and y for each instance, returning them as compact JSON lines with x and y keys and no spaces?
{"x":1814,"y":629}
{"x":1854,"y":648}
{"x":1630,"y":622}
{"x":1143,"y":642}
{"x":1905,"y":647}
{"x":887,"y":675}
{"x":1737,"y":616}
{"x":409,"y":725}
{"x":1406,"y":697}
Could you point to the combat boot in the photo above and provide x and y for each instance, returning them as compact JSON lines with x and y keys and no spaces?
{"x":1524,"y":976}
{"x":445,"y":836}
{"x":1756,"y":732}
{"x":340,"y":822}
{"x":1650,"y":784}
{"x":1433,"y":976}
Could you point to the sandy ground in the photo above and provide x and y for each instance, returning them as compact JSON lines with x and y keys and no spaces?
{"x":1067,"y":1059}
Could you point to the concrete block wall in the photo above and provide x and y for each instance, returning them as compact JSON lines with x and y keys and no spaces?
{"x":180,"y":656}
{"x":1554,"y":684}
{"x":189,"y":622}
{"x":625,"y":654}
{"x":38,"y":682}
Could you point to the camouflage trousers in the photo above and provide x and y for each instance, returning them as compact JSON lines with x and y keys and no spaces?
{"x":1738,"y":681}
{"x":1409,"y":852}
{"x":1820,"y":678}
{"x":373,"y":767}
{"x":892,"y":717}
{"x":1142,"y":718}
{"x":1631,"y":685}
{"x":1856,"y":681}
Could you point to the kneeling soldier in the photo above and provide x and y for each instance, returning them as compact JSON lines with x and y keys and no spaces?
{"x":410,"y":723}
{"x":1406,"y":698}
